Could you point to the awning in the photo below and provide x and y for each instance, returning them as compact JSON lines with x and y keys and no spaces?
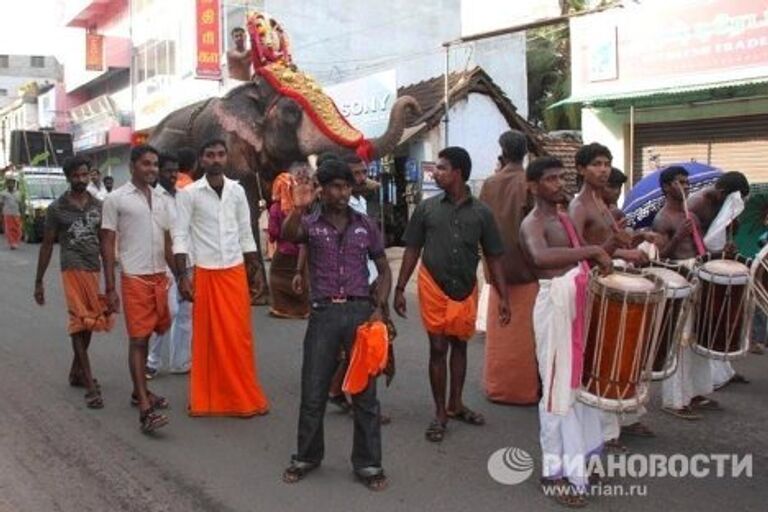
{"x":674,"y":95}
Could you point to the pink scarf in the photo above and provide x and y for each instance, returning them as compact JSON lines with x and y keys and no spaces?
{"x":577,"y":326}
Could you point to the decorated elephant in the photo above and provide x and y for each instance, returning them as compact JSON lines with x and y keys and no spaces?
{"x":279,"y":117}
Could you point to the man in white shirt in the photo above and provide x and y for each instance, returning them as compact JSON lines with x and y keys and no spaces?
{"x":137,"y":217}
{"x":213,"y":223}
{"x":179,"y":336}
{"x":96,"y":187}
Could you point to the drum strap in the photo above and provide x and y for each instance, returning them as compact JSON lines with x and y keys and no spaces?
{"x":577,"y":326}
{"x":697,"y":240}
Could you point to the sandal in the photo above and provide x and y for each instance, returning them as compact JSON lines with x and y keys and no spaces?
{"x":297,"y":471}
{"x":468,"y":416}
{"x":738,"y":379}
{"x":93,"y":399}
{"x":156,"y":401}
{"x":685,"y":413}
{"x":637,"y":429}
{"x":563,"y":492}
{"x":376,"y":482}
{"x":435,"y":431}
{"x":151,"y":420}
{"x":705,"y":404}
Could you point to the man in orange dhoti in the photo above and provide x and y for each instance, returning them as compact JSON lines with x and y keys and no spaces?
{"x":510,"y":373}
{"x":75,"y":219}
{"x":447,"y":231}
{"x":136,"y":220}
{"x":223,"y":379}
{"x":10,"y":205}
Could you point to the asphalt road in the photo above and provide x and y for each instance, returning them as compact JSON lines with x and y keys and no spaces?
{"x":56,"y":455}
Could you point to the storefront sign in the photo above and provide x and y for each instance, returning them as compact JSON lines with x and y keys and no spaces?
{"x":366,"y":102}
{"x":664,"y":44}
{"x":94,"y":52}
{"x":208,"y":39}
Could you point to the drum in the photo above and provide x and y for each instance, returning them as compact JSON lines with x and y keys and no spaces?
{"x":759,"y":281}
{"x":623,"y":314}
{"x":678,"y":290}
{"x":723,"y":308}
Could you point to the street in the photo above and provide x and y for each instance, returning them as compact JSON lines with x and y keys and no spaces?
{"x":57,"y":455}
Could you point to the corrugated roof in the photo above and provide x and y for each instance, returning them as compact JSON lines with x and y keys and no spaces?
{"x":654,"y":96}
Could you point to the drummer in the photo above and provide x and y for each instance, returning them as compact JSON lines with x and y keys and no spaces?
{"x":568,"y":429}
{"x":595,"y":224}
{"x":683,"y":392}
{"x":724,"y":199}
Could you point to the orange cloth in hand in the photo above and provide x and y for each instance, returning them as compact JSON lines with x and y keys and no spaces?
{"x":441,"y":314}
{"x":369,"y":356}
{"x":282,"y":191}
{"x":87,"y":309}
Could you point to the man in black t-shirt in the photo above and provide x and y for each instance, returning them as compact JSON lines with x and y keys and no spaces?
{"x":75,"y":218}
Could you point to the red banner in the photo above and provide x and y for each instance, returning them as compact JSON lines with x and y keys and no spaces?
{"x":208,"y":16}
{"x":94,"y":52}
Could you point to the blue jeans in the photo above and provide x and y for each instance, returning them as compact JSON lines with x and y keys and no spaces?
{"x":331,"y":327}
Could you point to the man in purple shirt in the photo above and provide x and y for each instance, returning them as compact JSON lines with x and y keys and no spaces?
{"x":339,"y":242}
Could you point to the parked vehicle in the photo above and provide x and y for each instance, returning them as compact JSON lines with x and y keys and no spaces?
{"x":39,"y":186}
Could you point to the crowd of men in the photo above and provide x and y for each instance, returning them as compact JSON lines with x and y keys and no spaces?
{"x":186,"y":256}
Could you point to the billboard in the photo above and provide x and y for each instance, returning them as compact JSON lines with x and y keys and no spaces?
{"x":208,"y":20}
{"x":94,"y":52}
{"x":665,"y":44}
{"x":366,"y":102}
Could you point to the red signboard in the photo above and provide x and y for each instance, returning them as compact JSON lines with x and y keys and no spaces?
{"x":208,"y":15}
{"x":94,"y":52}
{"x":661,"y":44}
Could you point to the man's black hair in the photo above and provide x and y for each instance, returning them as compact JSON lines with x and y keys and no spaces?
{"x":165,"y":158}
{"x":589,"y":152}
{"x":459,"y":159}
{"x":141,"y":150}
{"x":616,"y":178}
{"x":514,"y":146}
{"x":186,"y":158}
{"x":211,"y":143}
{"x":73,"y":163}
{"x":537,"y":166}
{"x":334,"y":169}
{"x":670,"y":174}
{"x":237,"y":29}
{"x":733,"y":181}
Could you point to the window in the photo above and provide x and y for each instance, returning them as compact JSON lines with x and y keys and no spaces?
{"x":4,"y":61}
{"x":37,"y":61}
{"x":155,"y":58}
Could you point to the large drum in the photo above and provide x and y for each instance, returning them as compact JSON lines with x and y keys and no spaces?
{"x":623,"y":314}
{"x":678,"y":290}
{"x":723,"y":308}
{"x":759,"y":281}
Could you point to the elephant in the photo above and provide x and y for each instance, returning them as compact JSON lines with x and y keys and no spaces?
{"x":265,"y":132}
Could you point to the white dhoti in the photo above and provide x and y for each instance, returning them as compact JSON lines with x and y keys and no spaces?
{"x":722,"y":371}
{"x":570,"y":432}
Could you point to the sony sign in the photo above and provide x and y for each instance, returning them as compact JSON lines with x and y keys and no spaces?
{"x":366,"y":102}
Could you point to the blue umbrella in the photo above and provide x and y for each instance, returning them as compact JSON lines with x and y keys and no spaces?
{"x":646,"y":198}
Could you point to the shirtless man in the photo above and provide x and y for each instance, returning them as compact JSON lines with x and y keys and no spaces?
{"x":684,"y":391}
{"x":569,"y":430}
{"x":595,"y":224}
{"x":612,"y":192}
{"x":239,"y":57}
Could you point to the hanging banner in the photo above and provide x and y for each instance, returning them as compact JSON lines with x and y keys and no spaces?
{"x":208,"y":19}
{"x":94,"y":52}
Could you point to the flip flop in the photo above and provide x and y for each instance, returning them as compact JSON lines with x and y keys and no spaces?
{"x":738,"y":379}
{"x":705,"y":404}
{"x":563,"y":492}
{"x":93,"y":399}
{"x":376,"y":483}
{"x":297,"y":471}
{"x":435,"y":432}
{"x":615,"y":446}
{"x":685,"y":413}
{"x":467,"y":415}
{"x":637,"y":429}
{"x":151,"y":421}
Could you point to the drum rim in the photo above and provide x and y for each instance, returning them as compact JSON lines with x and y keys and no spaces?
{"x":653,"y":296}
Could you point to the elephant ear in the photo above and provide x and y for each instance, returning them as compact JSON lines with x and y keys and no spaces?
{"x":242,"y":112}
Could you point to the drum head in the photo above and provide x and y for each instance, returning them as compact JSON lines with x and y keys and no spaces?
{"x":724,"y":272}
{"x":676,"y":284}
{"x":627,"y":282}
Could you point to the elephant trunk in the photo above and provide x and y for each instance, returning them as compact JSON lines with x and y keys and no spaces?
{"x":387,"y":142}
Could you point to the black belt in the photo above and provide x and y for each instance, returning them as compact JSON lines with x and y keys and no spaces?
{"x":341,"y":300}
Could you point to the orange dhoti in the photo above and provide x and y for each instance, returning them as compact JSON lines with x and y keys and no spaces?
{"x":12,"y":226}
{"x":441,"y":314}
{"x":510,"y":372}
{"x":145,"y":303}
{"x":223,"y":380}
{"x":87,"y":309}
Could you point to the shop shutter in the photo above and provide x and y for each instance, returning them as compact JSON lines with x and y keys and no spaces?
{"x":733,"y":144}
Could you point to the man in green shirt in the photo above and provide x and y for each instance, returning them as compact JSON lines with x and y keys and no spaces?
{"x":448,"y":231}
